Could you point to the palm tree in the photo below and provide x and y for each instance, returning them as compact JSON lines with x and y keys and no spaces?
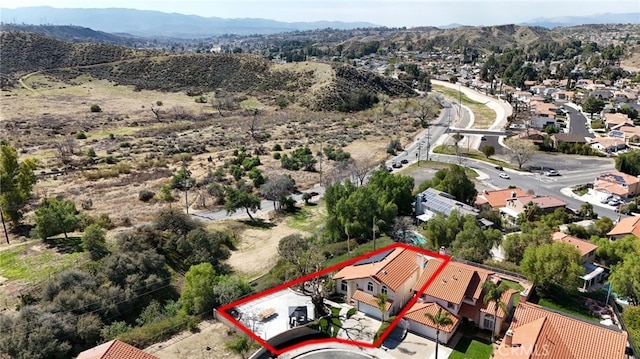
{"x":493,"y":293}
{"x":441,"y":319}
{"x":381,"y":301}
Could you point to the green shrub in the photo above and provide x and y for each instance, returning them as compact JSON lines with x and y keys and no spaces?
{"x":277,"y":147}
{"x":145,"y":195}
{"x":277,"y":156}
{"x":91,"y":152}
{"x":159,"y":103}
{"x":95,"y":108}
{"x":81,"y":136}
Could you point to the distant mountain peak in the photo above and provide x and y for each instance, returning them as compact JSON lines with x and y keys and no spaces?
{"x":156,"y":23}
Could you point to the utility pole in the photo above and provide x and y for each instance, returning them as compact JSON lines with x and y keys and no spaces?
{"x":185,"y":185}
{"x":320,"y":163}
{"x":373,"y":229}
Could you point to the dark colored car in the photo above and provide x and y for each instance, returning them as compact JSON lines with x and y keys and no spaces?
{"x":499,"y":168}
{"x":404,"y":161}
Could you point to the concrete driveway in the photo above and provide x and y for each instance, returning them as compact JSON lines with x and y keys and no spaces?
{"x":412,"y":346}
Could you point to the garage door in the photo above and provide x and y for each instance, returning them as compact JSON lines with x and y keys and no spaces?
{"x":369,"y":310}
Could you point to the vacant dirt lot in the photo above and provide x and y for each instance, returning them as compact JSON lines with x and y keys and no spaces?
{"x":208,"y":343}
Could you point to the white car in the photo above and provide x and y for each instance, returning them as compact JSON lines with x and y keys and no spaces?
{"x":504,"y":175}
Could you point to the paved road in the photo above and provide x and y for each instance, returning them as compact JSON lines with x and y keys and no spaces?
{"x":577,"y":122}
{"x":574,"y":170}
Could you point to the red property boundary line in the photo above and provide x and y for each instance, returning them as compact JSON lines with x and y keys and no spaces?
{"x":223,"y":309}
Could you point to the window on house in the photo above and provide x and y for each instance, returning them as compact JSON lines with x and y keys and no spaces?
{"x":343,"y":286}
{"x":369,"y":286}
{"x":488,"y":322}
{"x":451,"y":305}
{"x":384,"y":289}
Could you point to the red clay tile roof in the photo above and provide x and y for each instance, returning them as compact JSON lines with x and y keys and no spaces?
{"x":505,"y":299}
{"x":628,"y":225}
{"x":367,"y":298}
{"x":115,"y":349}
{"x":456,"y":281}
{"x":498,"y":198}
{"x":583,"y":246}
{"x":542,"y":201}
{"x":553,"y":335}
{"x":392,"y":271}
{"x":418,"y":313}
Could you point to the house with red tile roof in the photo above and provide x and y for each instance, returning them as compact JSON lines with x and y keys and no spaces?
{"x":393,"y":272}
{"x":616,"y":182}
{"x":421,"y":324}
{"x":494,"y":200}
{"x":624,"y":227}
{"x":515,"y":206}
{"x":458,"y":289}
{"x":115,"y":349}
{"x":593,"y":274}
{"x":536,"y":332}
{"x":587,"y":249}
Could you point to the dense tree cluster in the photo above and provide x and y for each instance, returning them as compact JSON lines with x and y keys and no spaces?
{"x":353,"y":210}
{"x":125,"y":286}
{"x":454,"y":181}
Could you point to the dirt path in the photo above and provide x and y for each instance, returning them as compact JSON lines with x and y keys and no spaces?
{"x":258,"y":251}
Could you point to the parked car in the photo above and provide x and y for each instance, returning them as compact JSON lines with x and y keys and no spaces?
{"x":404,"y":161}
{"x":499,"y":168}
{"x":504,"y":175}
{"x":552,"y":173}
{"x":396,"y":164}
{"x":607,"y":199}
{"x":613,"y":202}
{"x":389,"y":169}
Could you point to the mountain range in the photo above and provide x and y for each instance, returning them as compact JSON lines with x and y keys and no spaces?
{"x":173,"y":25}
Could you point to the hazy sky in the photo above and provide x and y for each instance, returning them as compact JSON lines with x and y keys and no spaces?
{"x":381,"y":12}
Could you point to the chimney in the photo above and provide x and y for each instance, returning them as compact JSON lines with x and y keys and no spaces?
{"x":508,"y":338}
{"x":513,"y":194}
{"x":442,"y":251}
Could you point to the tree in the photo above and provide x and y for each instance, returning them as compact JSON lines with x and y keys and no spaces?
{"x":440,"y":320}
{"x":488,"y":151}
{"x":629,"y":162}
{"x":277,"y":188}
{"x":523,"y":150}
{"x":625,"y":277}
{"x":16,"y":182}
{"x":554,"y":264}
{"x":515,"y":244}
{"x":198,"y":294}
{"x":473,"y":243}
{"x":381,"y":301}
{"x":94,"y":241}
{"x":586,"y":210}
{"x":493,"y":294}
{"x":55,"y":216}
{"x":229,"y":288}
{"x":454,"y":181}
{"x":241,"y":197}
{"x":95,"y":108}
{"x":631,"y":317}
{"x":592,"y":105}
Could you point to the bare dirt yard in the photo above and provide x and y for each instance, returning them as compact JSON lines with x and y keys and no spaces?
{"x":208,"y":343}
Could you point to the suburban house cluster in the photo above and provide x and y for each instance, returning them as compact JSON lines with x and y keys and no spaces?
{"x":403,"y":274}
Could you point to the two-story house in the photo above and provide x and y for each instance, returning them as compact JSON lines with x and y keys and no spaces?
{"x":619,"y":183}
{"x":496,"y":199}
{"x":592,"y":273}
{"x":458,"y":289}
{"x":393,"y":272}
{"x":536,"y":332}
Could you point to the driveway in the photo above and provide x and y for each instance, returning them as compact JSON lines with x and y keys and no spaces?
{"x":412,"y":346}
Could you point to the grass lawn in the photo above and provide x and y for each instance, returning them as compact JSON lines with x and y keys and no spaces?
{"x":308,"y":218}
{"x":471,"y":348}
{"x":570,"y":307}
{"x":516,"y":286}
{"x":36,"y":263}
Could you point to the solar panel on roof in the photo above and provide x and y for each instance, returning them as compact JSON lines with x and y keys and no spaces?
{"x":374,"y":259}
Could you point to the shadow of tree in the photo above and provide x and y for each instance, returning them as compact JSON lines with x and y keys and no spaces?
{"x":258,"y":223}
{"x":65,"y":245}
